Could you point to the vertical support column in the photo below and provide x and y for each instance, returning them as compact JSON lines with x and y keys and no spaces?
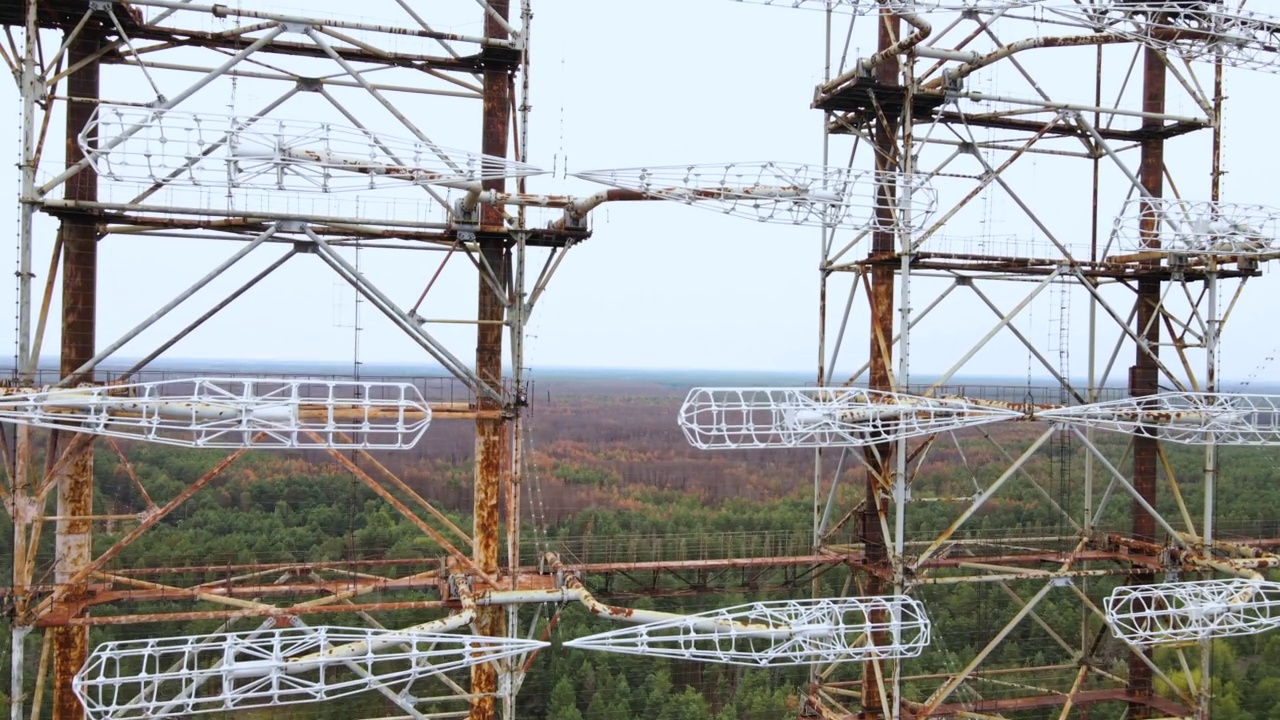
{"x":824,"y":277}
{"x":1204,"y":709}
{"x":29,"y":86}
{"x":73,"y":543}
{"x":1143,"y":376}
{"x":1213,"y":328}
{"x":879,"y":457}
{"x":493,"y":450}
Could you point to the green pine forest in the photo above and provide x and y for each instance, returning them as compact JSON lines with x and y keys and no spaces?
{"x":611,"y":479}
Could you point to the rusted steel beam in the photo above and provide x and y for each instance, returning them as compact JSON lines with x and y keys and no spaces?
{"x":493,"y":451}
{"x":73,"y":541}
{"x":726,"y":563}
{"x":522,"y":581}
{"x":1128,"y":267}
{"x":260,"y":568}
{"x":1136,"y":557}
{"x":879,"y":458}
{"x":1158,"y":130}
{"x":1151,"y":706}
{"x":150,"y":592}
{"x":195,"y":37}
{"x":404,"y":510}
{"x":455,"y":411}
{"x":83,"y":572}
{"x":82,"y":622}
{"x":1129,"y":553}
{"x":63,"y":14}
{"x":1144,"y":374}
{"x":418,"y":500}
{"x":1126,"y":552}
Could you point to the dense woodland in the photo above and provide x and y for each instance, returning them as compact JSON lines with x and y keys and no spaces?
{"x":610,"y":478}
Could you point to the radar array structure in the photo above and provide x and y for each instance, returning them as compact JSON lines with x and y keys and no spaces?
{"x":1113,"y":212}
{"x":336,"y":165}
{"x":268,"y":141}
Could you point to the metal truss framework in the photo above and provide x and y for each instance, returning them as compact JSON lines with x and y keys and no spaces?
{"x":356,"y":173}
{"x":333,"y":162}
{"x":925,"y":147}
{"x":1160,"y":265}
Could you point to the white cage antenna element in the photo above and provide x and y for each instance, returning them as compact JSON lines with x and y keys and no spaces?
{"x":777,"y":192}
{"x":181,"y":676}
{"x":781,"y":632}
{"x":733,"y":418}
{"x":1199,"y":228}
{"x":268,"y":153}
{"x":1204,"y":30}
{"x":1195,"y":610}
{"x":232,"y":412}
{"x":1187,"y":418}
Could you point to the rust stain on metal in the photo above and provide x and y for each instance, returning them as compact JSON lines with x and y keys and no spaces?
{"x":1166,"y":708}
{"x":879,"y":458}
{"x":524,"y":580}
{"x":622,"y":612}
{"x":81,"y":622}
{"x":1143,"y":376}
{"x":400,"y":507}
{"x":492,"y":451}
{"x":74,"y":471}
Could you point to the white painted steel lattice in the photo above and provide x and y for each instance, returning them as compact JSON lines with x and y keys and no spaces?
{"x":180,"y":676}
{"x":1206,"y":30}
{"x":1199,"y":228}
{"x":232,"y":412}
{"x":784,"y":632}
{"x":196,"y":149}
{"x":731,"y":418}
{"x":1195,"y":610}
{"x":1188,"y":418}
{"x":776,"y":192}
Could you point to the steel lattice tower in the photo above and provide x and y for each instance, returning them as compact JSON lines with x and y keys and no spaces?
{"x":962,"y":97}
{"x":338,"y":160}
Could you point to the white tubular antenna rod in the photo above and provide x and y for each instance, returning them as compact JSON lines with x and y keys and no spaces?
{"x":174,"y":149}
{"x":1200,"y":228}
{"x":182,"y":676}
{"x":734,"y":418}
{"x":775,"y":633}
{"x":1208,"y":31}
{"x":232,"y":412}
{"x":1190,"y":611}
{"x":775,"y":192}
{"x":1187,"y":418}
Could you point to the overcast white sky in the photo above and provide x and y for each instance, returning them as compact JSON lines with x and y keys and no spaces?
{"x":662,"y":82}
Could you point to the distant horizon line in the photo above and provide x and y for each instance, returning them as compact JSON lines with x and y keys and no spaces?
{"x":194,"y":364}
